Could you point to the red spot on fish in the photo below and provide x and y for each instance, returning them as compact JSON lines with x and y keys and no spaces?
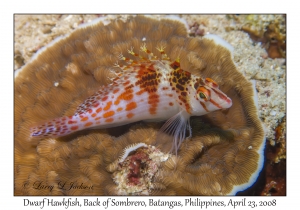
{"x":129,"y":87}
{"x":84,"y":119}
{"x":109,"y":120}
{"x":171,"y":104}
{"x":74,"y":128}
{"x":126,"y":83}
{"x":95,"y":105}
{"x":153,"y":100}
{"x":72,"y":122}
{"x":127,"y":95}
{"x":88,"y":124}
{"x":152,"y":110}
{"x":130,"y":115}
{"x":116,"y":90}
{"x":99,"y":110}
{"x":108,"y":114}
{"x":94,"y":115}
{"x":119,"y":109}
{"x":104,"y":98}
{"x":117,"y":102}
{"x":175,"y":65}
{"x":131,"y":106}
{"x":108,"y":105}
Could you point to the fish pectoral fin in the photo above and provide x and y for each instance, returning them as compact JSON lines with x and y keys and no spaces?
{"x":176,"y":126}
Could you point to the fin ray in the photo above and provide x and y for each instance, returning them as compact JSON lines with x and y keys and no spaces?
{"x":176,"y":126}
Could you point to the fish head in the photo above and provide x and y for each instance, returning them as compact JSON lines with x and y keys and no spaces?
{"x":208,"y":97}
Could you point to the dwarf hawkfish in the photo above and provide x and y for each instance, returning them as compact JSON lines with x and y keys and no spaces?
{"x":147,"y":88}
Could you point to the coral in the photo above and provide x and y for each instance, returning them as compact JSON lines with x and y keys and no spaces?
{"x":223,"y":156}
{"x":275,"y":178}
{"x":196,"y":30}
{"x":275,"y":172}
{"x":133,"y":173}
{"x":32,"y":32}
{"x":272,"y":36}
{"x":280,"y":139}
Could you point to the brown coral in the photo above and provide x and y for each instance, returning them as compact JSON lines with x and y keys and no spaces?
{"x":272,"y":38}
{"x":223,"y":156}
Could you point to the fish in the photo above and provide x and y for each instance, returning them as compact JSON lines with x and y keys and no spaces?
{"x":146,"y":88}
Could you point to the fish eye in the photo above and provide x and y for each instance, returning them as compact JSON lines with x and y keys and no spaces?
{"x":204,"y":93}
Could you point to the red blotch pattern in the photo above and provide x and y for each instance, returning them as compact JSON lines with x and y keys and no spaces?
{"x":131,"y":106}
{"x":130,"y":115}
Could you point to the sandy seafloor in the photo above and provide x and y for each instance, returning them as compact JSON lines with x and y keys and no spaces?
{"x":32,"y":32}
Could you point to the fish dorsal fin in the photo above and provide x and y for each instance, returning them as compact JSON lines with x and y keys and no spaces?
{"x":176,"y":126}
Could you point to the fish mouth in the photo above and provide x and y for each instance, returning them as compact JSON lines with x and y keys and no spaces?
{"x":223,"y":100}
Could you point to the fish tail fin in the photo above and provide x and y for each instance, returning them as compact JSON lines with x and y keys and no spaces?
{"x":54,"y":128}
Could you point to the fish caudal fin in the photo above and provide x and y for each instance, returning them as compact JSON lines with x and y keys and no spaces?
{"x":58,"y":127}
